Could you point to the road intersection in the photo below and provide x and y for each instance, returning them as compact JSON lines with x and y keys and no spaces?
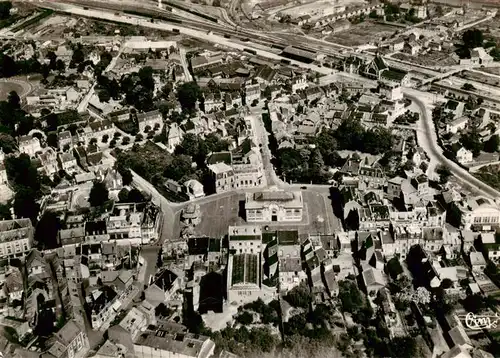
{"x":170,"y":210}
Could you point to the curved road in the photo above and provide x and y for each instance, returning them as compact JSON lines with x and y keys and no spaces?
{"x":429,"y":143}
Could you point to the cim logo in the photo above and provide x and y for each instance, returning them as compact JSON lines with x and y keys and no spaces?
{"x":478,"y":322}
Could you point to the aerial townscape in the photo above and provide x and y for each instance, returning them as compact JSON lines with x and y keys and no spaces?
{"x":249,"y":178}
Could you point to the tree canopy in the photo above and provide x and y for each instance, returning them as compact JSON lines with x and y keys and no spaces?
{"x":473,"y":38}
{"x":13,"y":120}
{"x":188,"y":94}
{"x":26,"y":181}
{"x":5,"y":7}
{"x":138,"y":88}
{"x":22,"y":173}
{"x":299,"y":296}
{"x":98,"y":194}
{"x":394,"y":268}
{"x":46,"y":231}
{"x":492,"y":144}
{"x":25,"y":205}
{"x":305,"y":165}
{"x":444,"y":173}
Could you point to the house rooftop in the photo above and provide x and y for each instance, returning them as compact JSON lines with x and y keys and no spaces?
{"x":165,"y":280}
{"x":182,"y":344}
{"x":219,"y":168}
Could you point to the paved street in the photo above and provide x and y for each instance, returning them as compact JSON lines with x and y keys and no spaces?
{"x":428,"y":140}
{"x":185,"y":66}
{"x":261,"y":138}
{"x":160,"y":25}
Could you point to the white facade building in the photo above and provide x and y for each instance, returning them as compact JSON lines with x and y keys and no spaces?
{"x":223,"y":176}
{"x":16,"y":237}
{"x":464,"y":156}
{"x":162,"y":344}
{"x":480,"y":213}
{"x":245,"y":239}
{"x":152,"y":119}
{"x":274,"y":205}
{"x":29,"y":145}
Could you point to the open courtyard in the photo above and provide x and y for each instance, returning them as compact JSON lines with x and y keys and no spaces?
{"x":226,"y":210}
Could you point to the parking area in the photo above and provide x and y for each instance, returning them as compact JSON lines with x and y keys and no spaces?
{"x":222,"y":212}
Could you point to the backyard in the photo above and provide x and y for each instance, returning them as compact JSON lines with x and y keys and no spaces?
{"x":490,"y":175}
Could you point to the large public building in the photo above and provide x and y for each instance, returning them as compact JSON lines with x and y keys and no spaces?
{"x":274,"y":205}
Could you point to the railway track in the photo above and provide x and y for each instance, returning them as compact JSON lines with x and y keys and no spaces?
{"x":176,"y":15}
{"x":149,"y":9}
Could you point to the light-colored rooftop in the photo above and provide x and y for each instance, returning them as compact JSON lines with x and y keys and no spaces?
{"x":183,"y":344}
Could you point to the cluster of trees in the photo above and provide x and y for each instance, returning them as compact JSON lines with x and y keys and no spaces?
{"x":104,"y":61}
{"x":5,"y":7}
{"x":136,"y":88}
{"x":305,"y":165}
{"x":10,"y":67}
{"x":354,"y":302}
{"x":392,"y":12}
{"x":187,"y":162}
{"x":131,"y":196}
{"x":26,"y":181}
{"x":198,"y":148}
{"x":267,"y":313}
{"x":372,"y":330}
{"x":99,"y":194}
{"x":394,"y":268}
{"x":411,"y":16}
{"x":188,"y":94}
{"x":13,"y":120}
{"x":352,"y":135}
{"x":302,"y":165}
{"x":245,"y":342}
{"x":299,"y":296}
{"x":47,"y":230}
{"x":490,"y":174}
{"x":471,"y":38}
{"x":148,"y":161}
{"x":407,"y":118}
{"x":472,"y":141}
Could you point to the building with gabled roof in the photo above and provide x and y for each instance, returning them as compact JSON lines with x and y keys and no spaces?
{"x":164,"y":287}
{"x":374,"y":280}
{"x":70,"y":341}
{"x":29,"y":145}
{"x":480,"y":214}
{"x":102,"y":305}
{"x":150,"y":120}
{"x":162,"y":343}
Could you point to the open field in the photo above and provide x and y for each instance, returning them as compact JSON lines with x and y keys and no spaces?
{"x":7,"y":87}
{"x":482,"y":78}
{"x":224,"y":211}
{"x":218,"y":214}
{"x":492,"y":70}
{"x":432,"y":58}
{"x":362,"y":33}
